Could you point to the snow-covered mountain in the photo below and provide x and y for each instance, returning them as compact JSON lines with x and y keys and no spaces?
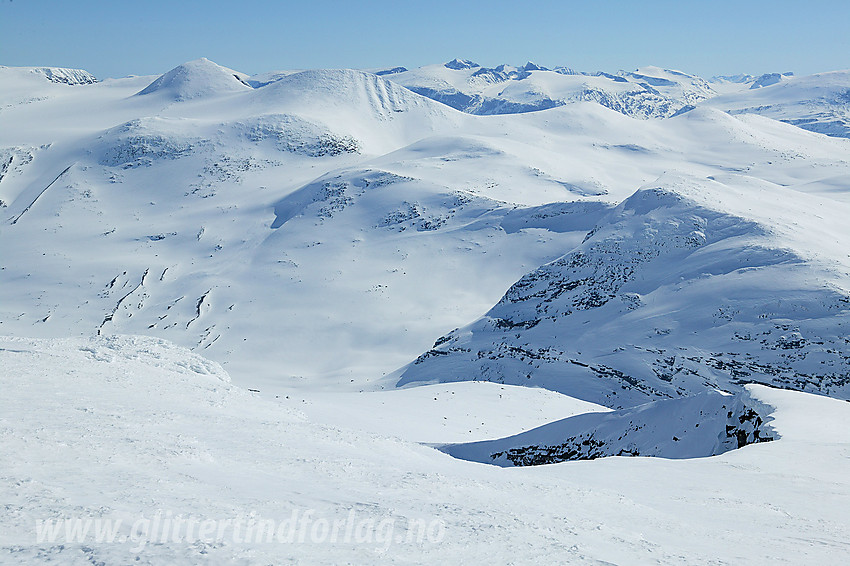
{"x":701,"y":425}
{"x":203,"y":204}
{"x":632,"y":263}
{"x":818,"y":103}
{"x":143,"y":436}
{"x":729,"y":272}
{"x":645,"y":93}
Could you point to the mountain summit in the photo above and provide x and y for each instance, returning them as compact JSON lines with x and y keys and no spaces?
{"x":197,"y":79}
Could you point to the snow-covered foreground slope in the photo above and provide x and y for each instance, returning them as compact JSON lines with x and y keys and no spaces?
{"x":135,"y":429}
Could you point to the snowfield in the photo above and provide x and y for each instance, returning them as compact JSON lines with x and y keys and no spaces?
{"x":124,"y":427}
{"x":438,"y":315}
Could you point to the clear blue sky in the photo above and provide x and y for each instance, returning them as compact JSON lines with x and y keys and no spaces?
{"x":116,"y":38}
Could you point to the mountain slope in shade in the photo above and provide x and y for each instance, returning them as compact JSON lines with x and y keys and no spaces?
{"x":688,"y":286}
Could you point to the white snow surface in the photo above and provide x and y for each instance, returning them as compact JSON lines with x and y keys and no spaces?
{"x":819,"y":103}
{"x":627,"y":260}
{"x":644,"y":93}
{"x":121,"y":427}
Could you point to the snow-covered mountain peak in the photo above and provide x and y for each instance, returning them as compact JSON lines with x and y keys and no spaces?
{"x":461,"y":64}
{"x":530,"y":66}
{"x":200,"y":78}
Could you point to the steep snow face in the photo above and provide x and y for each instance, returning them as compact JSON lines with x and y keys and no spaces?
{"x":58,"y":75}
{"x":200,"y":78}
{"x":818,"y":103}
{"x":677,"y":291}
{"x":697,"y":426}
{"x":768,"y":79}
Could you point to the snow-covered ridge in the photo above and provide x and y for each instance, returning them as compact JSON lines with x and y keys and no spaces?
{"x":597,"y":323}
{"x":647,"y":92}
{"x":65,"y":76}
{"x":313,"y":231}
{"x":818,"y":103}
{"x":467,"y":86}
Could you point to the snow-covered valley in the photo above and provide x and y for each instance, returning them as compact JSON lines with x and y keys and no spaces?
{"x":344,"y":291}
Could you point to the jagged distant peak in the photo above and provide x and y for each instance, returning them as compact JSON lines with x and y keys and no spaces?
{"x":531,"y":66}
{"x":461,"y":64}
{"x":197,"y":79}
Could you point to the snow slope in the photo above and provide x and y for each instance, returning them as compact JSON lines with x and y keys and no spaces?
{"x":128,"y":427}
{"x":465,"y":85}
{"x":326,"y":203}
{"x":696,"y":426}
{"x":196,"y":79}
{"x":313,"y":232}
{"x":818,"y":103}
{"x":688,"y":285}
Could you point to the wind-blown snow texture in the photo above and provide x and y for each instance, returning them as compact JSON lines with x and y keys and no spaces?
{"x":647,"y":243}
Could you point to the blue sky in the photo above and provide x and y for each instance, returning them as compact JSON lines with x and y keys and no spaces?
{"x":118,"y":38}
